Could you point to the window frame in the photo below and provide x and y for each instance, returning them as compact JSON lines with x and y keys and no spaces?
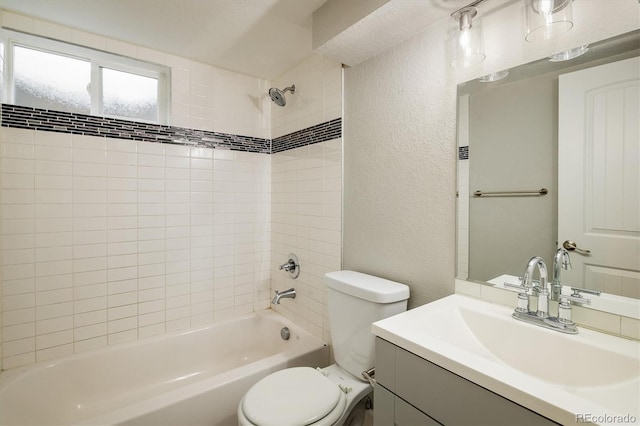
{"x":98,"y":59}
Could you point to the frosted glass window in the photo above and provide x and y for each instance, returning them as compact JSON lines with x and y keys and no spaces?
{"x":50,"y":81}
{"x":129,"y":95}
{"x":58,"y":76}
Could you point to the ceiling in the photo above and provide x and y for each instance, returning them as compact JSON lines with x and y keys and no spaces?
{"x":262,"y":38}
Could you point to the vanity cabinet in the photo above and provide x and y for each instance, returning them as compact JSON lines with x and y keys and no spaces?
{"x":414,"y":391}
{"x":391,"y":410}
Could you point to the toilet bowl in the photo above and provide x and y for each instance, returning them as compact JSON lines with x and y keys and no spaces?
{"x":334,"y":395}
{"x":305,"y":396}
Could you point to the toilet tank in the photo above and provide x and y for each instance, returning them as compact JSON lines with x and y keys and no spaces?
{"x":355,"y":301}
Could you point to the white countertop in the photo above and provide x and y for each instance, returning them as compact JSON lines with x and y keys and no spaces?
{"x":438,"y":333}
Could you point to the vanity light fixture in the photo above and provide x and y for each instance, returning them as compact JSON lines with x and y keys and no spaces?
{"x":466,"y":49}
{"x":569,"y":54}
{"x":494,"y":76}
{"x":547,"y":19}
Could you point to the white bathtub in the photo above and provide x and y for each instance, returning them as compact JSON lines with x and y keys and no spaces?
{"x":194,"y":377}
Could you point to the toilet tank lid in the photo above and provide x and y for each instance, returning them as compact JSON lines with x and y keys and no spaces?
{"x":367,"y":287}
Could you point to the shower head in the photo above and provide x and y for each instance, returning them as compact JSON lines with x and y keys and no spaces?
{"x":277,"y":95}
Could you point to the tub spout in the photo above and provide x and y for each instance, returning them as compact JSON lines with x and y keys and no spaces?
{"x":287,"y":294}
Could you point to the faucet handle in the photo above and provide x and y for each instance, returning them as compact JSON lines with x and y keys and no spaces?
{"x":523,"y":295}
{"x":534,"y":283}
{"x":520,"y":286}
{"x":575,"y":299}
{"x":578,"y":290}
{"x":564,"y":308}
{"x":292,"y":266}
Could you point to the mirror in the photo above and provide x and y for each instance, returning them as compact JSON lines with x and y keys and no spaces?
{"x":508,"y":143}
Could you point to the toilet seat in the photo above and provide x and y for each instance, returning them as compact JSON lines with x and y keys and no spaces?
{"x":294,"y":396}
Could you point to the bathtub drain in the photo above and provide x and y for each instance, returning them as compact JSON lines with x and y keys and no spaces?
{"x":285,"y":333}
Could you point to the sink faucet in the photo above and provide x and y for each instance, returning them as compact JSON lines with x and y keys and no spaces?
{"x":287,"y":294}
{"x":560,"y":261}
{"x":539,"y":288}
{"x":529,"y":287}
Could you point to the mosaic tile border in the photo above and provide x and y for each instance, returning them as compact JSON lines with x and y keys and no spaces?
{"x":67,"y":122}
{"x":319,"y":133}
{"x":463,"y":152}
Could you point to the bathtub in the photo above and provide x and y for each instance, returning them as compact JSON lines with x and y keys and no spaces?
{"x":188,"y":378}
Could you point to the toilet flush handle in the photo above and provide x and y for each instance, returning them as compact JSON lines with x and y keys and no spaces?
{"x":369,"y":376}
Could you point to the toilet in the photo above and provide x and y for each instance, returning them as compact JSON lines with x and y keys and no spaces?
{"x":335,"y":395}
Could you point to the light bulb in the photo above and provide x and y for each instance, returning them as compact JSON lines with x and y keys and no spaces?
{"x":464,"y":39}
{"x":545,"y":7}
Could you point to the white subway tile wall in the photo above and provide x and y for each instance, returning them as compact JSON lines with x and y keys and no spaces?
{"x":106,"y":241}
{"x":306,"y":191}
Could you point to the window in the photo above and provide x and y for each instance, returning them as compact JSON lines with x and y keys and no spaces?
{"x":50,"y":81}
{"x":129,"y":95}
{"x":43,"y":73}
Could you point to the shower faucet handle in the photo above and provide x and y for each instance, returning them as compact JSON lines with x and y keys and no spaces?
{"x":292,"y":266}
{"x":289,"y":266}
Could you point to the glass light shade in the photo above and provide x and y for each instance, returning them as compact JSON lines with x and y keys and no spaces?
{"x":569,"y":54}
{"x":494,"y":76}
{"x":466,"y":48}
{"x":547,"y":19}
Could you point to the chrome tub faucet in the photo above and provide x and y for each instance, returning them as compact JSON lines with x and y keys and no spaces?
{"x":286,"y":294}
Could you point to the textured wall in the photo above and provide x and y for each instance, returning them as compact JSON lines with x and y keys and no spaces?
{"x":399,"y":138}
{"x":400,"y":168}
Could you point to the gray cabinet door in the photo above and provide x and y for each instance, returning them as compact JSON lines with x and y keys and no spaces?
{"x":445,"y":396}
{"x":383,"y":407}
{"x":389,"y":410}
{"x":408,"y":415}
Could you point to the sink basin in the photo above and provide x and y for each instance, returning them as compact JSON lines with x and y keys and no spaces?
{"x":549,"y":356}
{"x":555,"y":374}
